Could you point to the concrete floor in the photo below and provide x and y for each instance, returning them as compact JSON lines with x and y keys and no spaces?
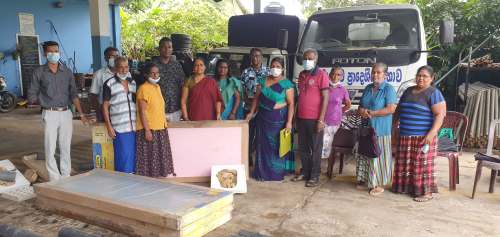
{"x":335,"y":208}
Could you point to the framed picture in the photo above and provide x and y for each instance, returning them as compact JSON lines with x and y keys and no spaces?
{"x":229,"y":178}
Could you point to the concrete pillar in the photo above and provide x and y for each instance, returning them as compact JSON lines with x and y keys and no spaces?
{"x":100,"y":31}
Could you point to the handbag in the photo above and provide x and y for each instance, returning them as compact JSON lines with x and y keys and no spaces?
{"x":343,"y":138}
{"x":367,"y":142}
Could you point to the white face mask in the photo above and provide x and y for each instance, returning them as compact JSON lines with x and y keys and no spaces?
{"x":154,"y":81}
{"x":276,"y":72}
{"x":334,"y":84}
{"x":53,"y":57}
{"x":308,"y":64}
{"x":123,"y":77}
{"x":111,"y":62}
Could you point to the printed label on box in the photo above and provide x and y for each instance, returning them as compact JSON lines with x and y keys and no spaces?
{"x":102,"y":148}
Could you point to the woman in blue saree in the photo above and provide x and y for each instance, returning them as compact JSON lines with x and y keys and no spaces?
{"x":274,"y":103}
{"x":230,"y":88}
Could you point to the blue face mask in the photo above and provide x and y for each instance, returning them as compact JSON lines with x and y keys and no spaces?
{"x":53,"y":57}
{"x":308,"y":65}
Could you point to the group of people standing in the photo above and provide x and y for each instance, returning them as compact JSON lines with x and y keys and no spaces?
{"x":136,"y":112}
{"x":137,"y":116}
{"x":321,"y":102}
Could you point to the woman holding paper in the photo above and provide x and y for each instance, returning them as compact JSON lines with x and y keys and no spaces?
{"x":273,"y":107}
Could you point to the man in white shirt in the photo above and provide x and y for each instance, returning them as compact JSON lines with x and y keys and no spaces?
{"x":100,"y":76}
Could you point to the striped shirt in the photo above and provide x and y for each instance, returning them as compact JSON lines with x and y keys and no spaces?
{"x":122,"y":109}
{"x":415,"y":113}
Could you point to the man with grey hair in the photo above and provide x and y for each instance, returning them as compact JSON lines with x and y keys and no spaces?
{"x":312,"y":104}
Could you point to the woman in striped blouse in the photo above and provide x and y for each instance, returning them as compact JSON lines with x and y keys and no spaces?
{"x":420,"y":112}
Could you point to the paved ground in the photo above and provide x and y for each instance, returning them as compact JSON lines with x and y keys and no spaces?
{"x":335,"y":208}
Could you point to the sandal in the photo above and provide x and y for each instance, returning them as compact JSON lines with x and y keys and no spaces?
{"x":424,"y":198}
{"x":299,"y":178}
{"x":376,"y":191}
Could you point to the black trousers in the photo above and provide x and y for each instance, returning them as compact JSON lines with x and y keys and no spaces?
{"x":310,"y":146}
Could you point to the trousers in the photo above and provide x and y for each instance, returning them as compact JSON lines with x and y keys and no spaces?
{"x":310,"y":147}
{"x":58,"y":129}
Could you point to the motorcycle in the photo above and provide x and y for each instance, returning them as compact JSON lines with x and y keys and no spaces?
{"x":7,"y":99}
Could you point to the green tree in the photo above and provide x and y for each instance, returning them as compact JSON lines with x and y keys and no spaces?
{"x":143,"y":27}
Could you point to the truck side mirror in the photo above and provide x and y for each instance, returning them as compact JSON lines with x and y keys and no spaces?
{"x":447,"y":31}
{"x":282,"y":39}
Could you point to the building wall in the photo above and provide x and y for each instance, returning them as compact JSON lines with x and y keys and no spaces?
{"x":72,"y":23}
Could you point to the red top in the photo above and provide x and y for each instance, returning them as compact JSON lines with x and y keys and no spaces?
{"x":202,"y":99}
{"x":310,"y":85}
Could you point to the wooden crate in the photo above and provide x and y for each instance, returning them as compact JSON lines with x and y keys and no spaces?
{"x":136,"y":205}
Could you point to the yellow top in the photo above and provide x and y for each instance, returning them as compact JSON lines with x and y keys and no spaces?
{"x":155,"y":111}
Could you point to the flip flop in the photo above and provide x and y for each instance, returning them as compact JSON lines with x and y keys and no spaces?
{"x":422,"y":198}
{"x":376,"y":191}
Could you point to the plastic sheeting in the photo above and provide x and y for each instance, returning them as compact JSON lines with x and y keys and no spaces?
{"x":139,"y":191}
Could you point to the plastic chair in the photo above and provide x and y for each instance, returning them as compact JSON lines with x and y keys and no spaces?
{"x":488,"y":160}
{"x":343,"y":141}
{"x":459,"y":123}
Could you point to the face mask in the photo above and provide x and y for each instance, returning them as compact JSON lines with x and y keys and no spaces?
{"x":124,"y":77}
{"x":276,"y":72}
{"x":308,"y":64}
{"x":154,"y":81}
{"x":111,"y":62}
{"x":53,"y":57}
{"x":335,"y":84}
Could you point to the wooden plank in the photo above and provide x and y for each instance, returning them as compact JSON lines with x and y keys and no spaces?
{"x":37,"y":165}
{"x":118,"y":223}
{"x":131,"y":226}
{"x":245,"y":148}
{"x":124,"y":209}
{"x":208,"y":124}
{"x":203,"y":179}
{"x":109,"y":206}
{"x":209,"y":223}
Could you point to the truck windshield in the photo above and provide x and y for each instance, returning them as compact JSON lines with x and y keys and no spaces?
{"x":237,"y":62}
{"x":360,"y":30}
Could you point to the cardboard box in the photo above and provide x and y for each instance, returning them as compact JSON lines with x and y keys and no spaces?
{"x":102,"y":148}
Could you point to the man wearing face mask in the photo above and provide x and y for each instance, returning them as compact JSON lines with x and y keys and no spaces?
{"x":173,"y":79}
{"x":312,"y":104}
{"x":100,"y":76}
{"x":53,"y":86}
{"x":119,"y":112}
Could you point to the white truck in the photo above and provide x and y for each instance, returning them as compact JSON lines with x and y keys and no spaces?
{"x":263,"y":31}
{"x":357,"y":37}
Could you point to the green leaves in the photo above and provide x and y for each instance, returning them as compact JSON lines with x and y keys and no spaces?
{"x":203,"y":20}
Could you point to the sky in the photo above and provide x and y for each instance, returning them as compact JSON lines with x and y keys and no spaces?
{"x":292,"y":7}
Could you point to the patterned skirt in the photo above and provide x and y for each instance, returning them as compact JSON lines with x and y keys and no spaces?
{"x":376,"y":172}
{"x":154,"y":159}
{"x":414,"y":171}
